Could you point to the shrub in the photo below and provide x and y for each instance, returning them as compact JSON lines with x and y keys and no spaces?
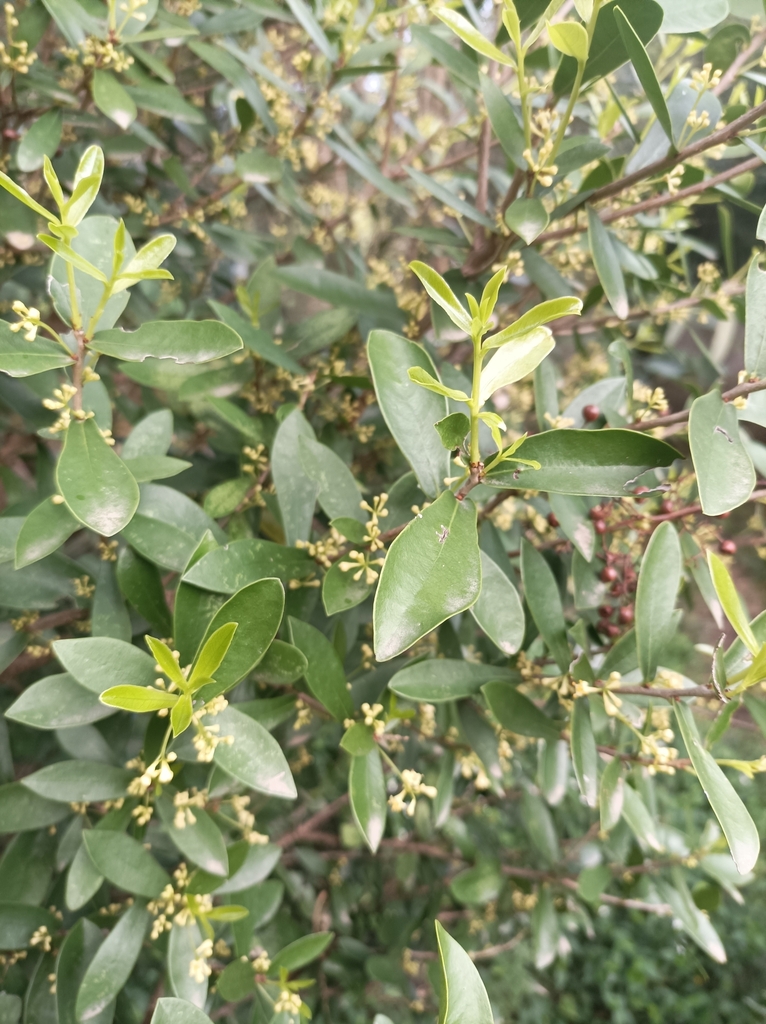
{"x":357,"y":578}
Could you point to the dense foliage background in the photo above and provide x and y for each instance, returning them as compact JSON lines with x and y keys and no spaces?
{"x":498,"y":675}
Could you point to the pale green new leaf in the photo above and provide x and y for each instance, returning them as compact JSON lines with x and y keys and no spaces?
{"x":137,"y":698}
{"x":515,"y":360}
{"x":731,"y":602}
{"x":543,"y":313}
{"x":420,"y":376}
{"x":569,"y":37}
{"x":470,"y":35}
{"x":442,"y":294}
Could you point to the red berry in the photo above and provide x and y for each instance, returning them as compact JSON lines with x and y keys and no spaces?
{"x":616,"y":589}
{"x":666,"y":506}
{"x":602,"y":626}
{"x":613,"y":630}
{"x":626,"y":614}
{"x":590,"y":413}
{"x":605,"y":610}
{"x":724,"y":515}
{"x":608,"y":574}
{"x":597,"y":512}
{"x":552,"y":520}
{"x":728,"y":547}
{"x":630,"y":587}
{"x":599,"y":526}
{"x":638,"y":491}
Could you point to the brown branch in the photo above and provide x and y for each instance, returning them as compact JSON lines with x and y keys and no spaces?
{"x":726,"y":134}
{"x":740,"y":390}
{"x":729,"y":76}
{"x":656,"y":202}
{"x":310,"y":825}
{"x":488,"y":953}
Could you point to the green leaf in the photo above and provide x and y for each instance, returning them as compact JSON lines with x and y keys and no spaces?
{"x":694,"y":922}
{"x":228,"y":569}
{"x":199,"y":840}
{"x":584,"y":754}
{"x":20,"y":358}
{"x":254,"y":757}
{"x":592,"y":882}
{"x":658,"y":584}
{"x":453,"y":429}
{"x":178,"y":1011}
{"x":301,"y":952}
{"x":367,"y":796}
{"x":44,"y":531}
{"x":41,"y":139}
{"x":113,"y":100}
{"x":432,"y":571}
{"x":110,"y":968}
{"x":296,"y":490}
{"x":571,"y":510}
{"x":138,"y":698}
{"x":464,"y":999}
{"x":183,"y":341}
{"x":644,"y":68}
{"x":257,"y":608}
{"x":755,"y":320}
{"x":181,"y":714}
{"x":739,"y":829}
{"x":527,"y":218}
{"x":98,"y":489}
{"x":499,"y":611}
{"x":83,"y":880}
{"x":545,"y":930}
{"x":24,"y":197}
{"x":168,"y":526}
{"x":518,"y":713}
{"x":94,"y":661}
{"x":725,"y":473}
{"x":77,"y":951}
{"x":79,"y":781}
{"x":166,"y":662}
{"x":605,"y":463}
{"x":21,"y":810}
{"x":425,"y":380}
{"x":540,"y":827}
{"x":56,"y":702}
{"x":324,"y":673}
{"x":258,"y":863}
{"x":125,"y":863}
{"x":150,"y":256}
{"x":341,"y":591}
{"x":406,"y":407}
{"x":463,"y":28}
{"x":155,"y":467}
{"x":611,"y":795}
{"x":450,"y":199}
{"x":570,"y":38}
{"x":212,"y":652}
{"x":686,"y":16}
{"x":358,"y":740}
{"x":504,"y":120}
{"x":542,"y":596}
{"x":444,"y":679}
{"x":515,"y":360}
{"x":442,"y":295}
{"x":607,"y":51}
{"x":731,"y":602}
{"x":18,"y":923}
{"x":151,"y":436}
{"x":182,"y":949}
{"x":607,"y":264}
{"x":641,"y":823}
{"x":237,"y":981}
{"x":337,"y":491}
{"x":478,"y":885}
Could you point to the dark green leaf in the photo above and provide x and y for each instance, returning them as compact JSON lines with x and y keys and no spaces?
{"x":324,"y":672}
{"x":542,"y":596}
{"x":444,"y":679}
{"x":99,"y":491}
{"x":125,"y":862}
{"x":183,"y":341}
{"x":111,"y":966}
{"x":367,"y":796}
{"x":464,"y":998}
{"x":254,"y":757}
{"x":301,"y":952}
{"x":518,"y":713}
{"x":431,"y":572}
{"x":79,"y":781}
{"x":658,"y":584}
{"x":725,"y":473}
{"x":499,"y":611}
{"x":584,"y":754}
{"x":591,"y":462}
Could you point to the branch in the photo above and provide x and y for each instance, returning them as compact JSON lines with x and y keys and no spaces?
{"x":656,"y":202}
{"x":729,"y":76}
{"x":748,"y":388}
{"x":674,"y":158}
{"x":310,"y":825}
